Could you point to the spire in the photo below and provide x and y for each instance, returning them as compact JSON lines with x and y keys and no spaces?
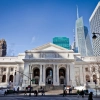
{"x":77,"y":12}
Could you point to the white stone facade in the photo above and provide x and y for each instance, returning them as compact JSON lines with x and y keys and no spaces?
{"x":49,"y":64}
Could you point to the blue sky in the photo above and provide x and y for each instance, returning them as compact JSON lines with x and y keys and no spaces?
{"x":26,"y":24}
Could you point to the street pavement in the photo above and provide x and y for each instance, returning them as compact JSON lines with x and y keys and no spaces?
{"x":56,"y":97}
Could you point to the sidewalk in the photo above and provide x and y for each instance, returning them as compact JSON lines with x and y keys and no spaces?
{"x":46,"y":95}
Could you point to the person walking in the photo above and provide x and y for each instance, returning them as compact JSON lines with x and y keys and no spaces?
{"x":25,"y":92}
{"x":18,"y":90}
{"x":82,"y":93}
{"x":90,"y":97}
{"x":78,"y":93}
{"x":64,"y":91}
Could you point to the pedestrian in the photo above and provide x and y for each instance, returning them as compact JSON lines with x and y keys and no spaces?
{"x":69,"y":90}
{"x":78,"y":93}
{"x":90,"y":96}
{"x":18,"y":90}
{"x":43,"y":93}
{"x":36,"y":93}
{"x":64,"y":91}
{"x":25,"y":91}
{"x":82,"y":93}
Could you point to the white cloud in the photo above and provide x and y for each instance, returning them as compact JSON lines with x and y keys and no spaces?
{"x":33,"y":39}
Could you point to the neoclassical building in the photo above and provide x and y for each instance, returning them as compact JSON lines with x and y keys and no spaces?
{"x":49,"y":64}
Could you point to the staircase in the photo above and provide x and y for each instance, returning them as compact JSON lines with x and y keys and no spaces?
{"x":50,"y":87}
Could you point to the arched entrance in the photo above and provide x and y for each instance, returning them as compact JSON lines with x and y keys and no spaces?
{"x":11,"y":78}
{"x":87,"y":78}
{"x":36,"y":75}
{"x":49,"y":75}
{"x":4,"y":78}
{"x":95,"y":79}
{"x":62,"y":75}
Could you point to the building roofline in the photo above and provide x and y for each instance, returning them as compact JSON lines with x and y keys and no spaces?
{"x":94,"y":11}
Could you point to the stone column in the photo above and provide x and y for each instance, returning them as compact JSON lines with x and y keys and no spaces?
{"x":57,"y":77}
{"x":7,"y":75}
{"x":67,"y":74}
{"x":54,"y":74}
{"x":18,"y":75}
{"x":26,"y":72}
{"x":44,"y":75}
{"x":72,"y":75}
{"x":42,"y":79}
{"x":91,"y":75}
{"x":84,"y":80}
{"x":81,"y":75}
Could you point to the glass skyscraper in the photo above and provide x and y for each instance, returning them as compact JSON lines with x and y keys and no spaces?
{"x":95,"y":28}
{"x":82,"y":39}
{"x":62,"y":41}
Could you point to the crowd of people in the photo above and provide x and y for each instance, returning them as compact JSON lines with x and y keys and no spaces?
{"x":79,"y":93}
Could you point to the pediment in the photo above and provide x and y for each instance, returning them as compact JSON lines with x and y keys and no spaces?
{"x":50,"y":47}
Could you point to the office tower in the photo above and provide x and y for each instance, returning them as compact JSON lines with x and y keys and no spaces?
{"x":62,"y":41}
{"x":89,"y":50}
{"x":95,"y":28}
{"x":82,"y":39}
{"x":3,"y":48}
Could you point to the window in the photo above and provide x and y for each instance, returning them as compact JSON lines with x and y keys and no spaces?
{"x":4,"y":69}
{"x":11,"y":69}
{"x":93,"y":69}
{"x":4,"y":78}
{"x":87,"y":78}
{"x":86,"y":69}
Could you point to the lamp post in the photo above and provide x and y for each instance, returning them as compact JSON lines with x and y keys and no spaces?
{"x":94,"y":35}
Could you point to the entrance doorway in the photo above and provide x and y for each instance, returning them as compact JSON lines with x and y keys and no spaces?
{"x":49,"y":76}
{"x":36,"y":75}
{"x":62,"y":75}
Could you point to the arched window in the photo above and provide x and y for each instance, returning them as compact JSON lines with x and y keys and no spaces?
{"x":93,"y":69}
{"x":62,"y":72}
{"x":95,"y":78}
{"x":11,"y":78}
{"x":87,"y":78}
{"x":36,"y":72}
{"x":4,"y":78}
{"x":86,"y":69}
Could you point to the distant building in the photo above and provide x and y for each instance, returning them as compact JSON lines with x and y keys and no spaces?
{"x":95,"y":28}
{"x":82,"y":39}
{"x":49,"y":64}
{"x":62,"y":41}
{"x":89,"y":50}
{"x":3,"y":48}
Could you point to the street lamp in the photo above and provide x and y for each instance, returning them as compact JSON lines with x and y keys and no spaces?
{"x":94,"y":35}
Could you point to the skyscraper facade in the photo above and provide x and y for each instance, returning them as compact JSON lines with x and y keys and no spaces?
{"x":89,"y":50}
{"x":82,"y":39}
{"x":95,"y":28}
{"x":62,"y":41}
{"x":3,"y":48}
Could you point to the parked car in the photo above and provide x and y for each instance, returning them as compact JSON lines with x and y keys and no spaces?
{"x":3,"y":91}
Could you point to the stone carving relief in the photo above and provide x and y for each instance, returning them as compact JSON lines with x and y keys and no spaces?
{"x":49,"y":55}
